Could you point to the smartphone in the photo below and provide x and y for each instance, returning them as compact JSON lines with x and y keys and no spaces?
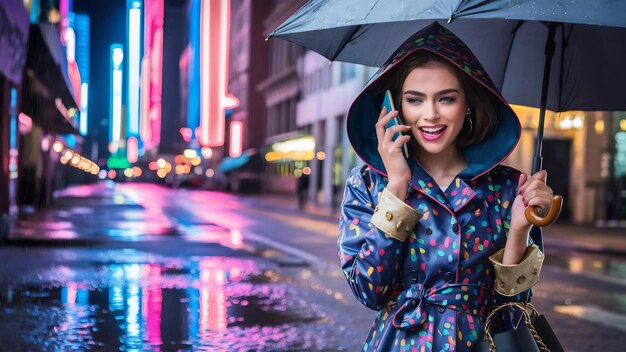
{"x":397,"y":120}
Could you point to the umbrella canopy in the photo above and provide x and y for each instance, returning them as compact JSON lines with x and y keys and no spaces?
{"x":507,"y":36}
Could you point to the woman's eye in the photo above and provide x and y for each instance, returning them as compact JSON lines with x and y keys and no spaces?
{"x":447,"y":100}
{"x":412,"y":100}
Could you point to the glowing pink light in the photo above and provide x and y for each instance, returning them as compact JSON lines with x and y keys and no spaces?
{"x":186,"y":133}
{"x":74,"y":75}
{"x":152,"y":77}
{"x":146,"y":128}
{"x":214,"y":57}
{"x":72,"y":290}
{"x":152,"y":304}
{"x":212,"y":297}
{"x":132,"y":150}
{"x":25,"y":123}
{"x":236,"y":138}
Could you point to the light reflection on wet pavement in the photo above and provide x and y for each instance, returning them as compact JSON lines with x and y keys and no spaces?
{"x":205,"y":303}
{"x":136,"y":267}
{"x":609,"y":267}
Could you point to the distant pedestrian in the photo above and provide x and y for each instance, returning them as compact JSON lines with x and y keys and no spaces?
{"x":435,"y":239}
{"x":302,"y":189}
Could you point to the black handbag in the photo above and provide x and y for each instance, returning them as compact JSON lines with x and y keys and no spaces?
{"x":523,"y":339}
{"x":544,"y":330}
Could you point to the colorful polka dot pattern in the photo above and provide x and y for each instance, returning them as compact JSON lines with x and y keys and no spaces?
{"x":432,"y":291}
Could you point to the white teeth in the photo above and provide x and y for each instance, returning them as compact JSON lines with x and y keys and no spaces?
{"x":432,"y":130}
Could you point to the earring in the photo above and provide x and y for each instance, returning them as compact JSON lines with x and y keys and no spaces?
{"x":468,"y":116}
{"x":471,"y":124}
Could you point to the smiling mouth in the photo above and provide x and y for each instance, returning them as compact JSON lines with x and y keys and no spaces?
{"x":433,"y":131}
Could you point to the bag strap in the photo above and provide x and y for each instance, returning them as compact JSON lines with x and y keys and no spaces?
{"x":527,"y":320}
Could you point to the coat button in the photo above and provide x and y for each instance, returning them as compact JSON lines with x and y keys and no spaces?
{"x":441,"y":309}
{"x":455,"y":228}
{"x":413,"y":275}
{"x":399,"y":225}
{"x":429,"y":231}
{"x":388,"y":215}
{"x":448,"y":277}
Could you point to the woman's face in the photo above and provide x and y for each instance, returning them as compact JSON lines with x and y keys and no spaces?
{"x":434,"y":106}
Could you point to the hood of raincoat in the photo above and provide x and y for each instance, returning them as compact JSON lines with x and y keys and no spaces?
{"x":365,"y":109}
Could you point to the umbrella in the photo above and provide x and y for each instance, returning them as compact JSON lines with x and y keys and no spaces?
{"x":517,"y":41}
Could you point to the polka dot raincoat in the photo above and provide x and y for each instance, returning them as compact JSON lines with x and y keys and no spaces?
{"x":432,"y":291}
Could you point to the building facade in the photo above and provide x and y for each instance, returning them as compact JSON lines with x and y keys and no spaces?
{"x":248,"y":67}
{"x":281,"y":90}
{"x":327,"y":90}
{"x":14,"y":25}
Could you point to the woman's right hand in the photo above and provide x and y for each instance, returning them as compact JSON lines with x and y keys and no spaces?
{"x":398,"y":171}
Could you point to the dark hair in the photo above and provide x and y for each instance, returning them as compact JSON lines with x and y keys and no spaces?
{"x":482,"y":103}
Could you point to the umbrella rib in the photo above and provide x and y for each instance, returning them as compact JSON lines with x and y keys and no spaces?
{"x":345,"y":41}
{"x":508,"y":57}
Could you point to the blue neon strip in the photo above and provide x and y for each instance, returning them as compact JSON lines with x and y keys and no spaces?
{"x":13,"y":118}
{"x":193,"y":111}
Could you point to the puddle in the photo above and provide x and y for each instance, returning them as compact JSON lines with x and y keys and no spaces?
{"x":203,"y":304}
{"x":607,"y":266}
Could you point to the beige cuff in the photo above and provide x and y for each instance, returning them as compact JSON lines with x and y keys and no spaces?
{"x":394,"y":217}
{"x":513,"y":279}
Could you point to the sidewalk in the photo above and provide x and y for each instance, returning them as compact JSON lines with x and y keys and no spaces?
{"x":584,"y":238}
{"x":90,"y":215}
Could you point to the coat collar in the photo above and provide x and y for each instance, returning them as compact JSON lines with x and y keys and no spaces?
{"x":456,"y":196}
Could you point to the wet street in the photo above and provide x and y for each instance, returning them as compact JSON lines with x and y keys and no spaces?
{"x":144,"y":268}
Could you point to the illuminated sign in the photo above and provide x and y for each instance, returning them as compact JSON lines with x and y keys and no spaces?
{"x":72,"y":67}
{"x":115,"y":105}
{"x":297,"y":149}
{"x":132,"y":150}
{"x":81,"y":24}
{"x":84,"y":94}
{"x":214,"y":41}
{"x":152,"y":74}
{"x":134,"y":61}
{"x":117,"y":163}
{"x":236,"y":138}
{"x":193,"y":73}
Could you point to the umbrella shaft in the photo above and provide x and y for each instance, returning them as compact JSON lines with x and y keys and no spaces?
{"x":550,"y":46}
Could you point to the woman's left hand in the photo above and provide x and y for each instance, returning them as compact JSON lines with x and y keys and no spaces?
{"x":532,"y":191}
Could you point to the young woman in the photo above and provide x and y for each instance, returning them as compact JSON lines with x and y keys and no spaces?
{"x":435,"y":240}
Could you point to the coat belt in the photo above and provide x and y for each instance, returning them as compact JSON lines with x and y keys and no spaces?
{"x":411,"y":312}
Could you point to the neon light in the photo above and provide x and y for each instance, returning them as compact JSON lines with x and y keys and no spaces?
{"x":190,"y":153}
{"x":13,"y":123}
{"x":236,"y":139}
{"x":151,"y":74}
{"x":70,"y":39}
{"x":34,"y":12}
{"x":117,"y":58}
{"x":214,"y":42}
{"x":207,"y":153}
{"x":186,"y":133}
{"x":74,"y":75}
{"x":134,"y":60}
{"x":146,"y":129}
{"x":132,"y":150}
{"x":25,"y":123}
{"x":84,"y":103}
{"x":193,"y":107}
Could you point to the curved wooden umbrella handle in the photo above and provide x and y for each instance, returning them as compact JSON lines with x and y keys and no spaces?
{"x":534,"y":218}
